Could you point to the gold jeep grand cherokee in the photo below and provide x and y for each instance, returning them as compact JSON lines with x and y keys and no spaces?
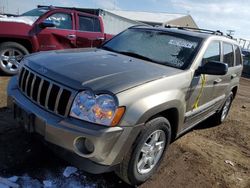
{"x":119,"y":106}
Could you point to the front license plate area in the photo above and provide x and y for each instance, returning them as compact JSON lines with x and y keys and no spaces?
{"x":25,"y":119}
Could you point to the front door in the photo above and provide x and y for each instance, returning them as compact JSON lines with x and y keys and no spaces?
{"x":61,"y":36}
{"x":201,"y":100}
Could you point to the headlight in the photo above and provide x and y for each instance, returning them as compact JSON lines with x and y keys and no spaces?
{"x":100,"y":109}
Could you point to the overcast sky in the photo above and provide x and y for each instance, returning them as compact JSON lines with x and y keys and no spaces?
{"x":210,"y":14}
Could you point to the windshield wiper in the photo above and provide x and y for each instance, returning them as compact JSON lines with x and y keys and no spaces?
{"x":132,"y":54}
{"x":108,"y":48}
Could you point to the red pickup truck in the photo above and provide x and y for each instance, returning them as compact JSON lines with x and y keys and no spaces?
{"x":46,"y":28}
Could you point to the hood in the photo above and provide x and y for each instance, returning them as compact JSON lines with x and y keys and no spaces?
{"x":29,"y":20}
{"x":96,"y":69}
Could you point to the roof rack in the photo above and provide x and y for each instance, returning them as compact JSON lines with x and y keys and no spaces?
{"x":196,"y":29}
{"x":217,"y":32}
{"x":139,"y":25}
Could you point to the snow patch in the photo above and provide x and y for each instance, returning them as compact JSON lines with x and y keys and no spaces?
{"x":47,"y":183}
{"x":13,"y":179}
{"x":4,"y":186}
{"x":69,"y":170}
{"x":29,"y":20}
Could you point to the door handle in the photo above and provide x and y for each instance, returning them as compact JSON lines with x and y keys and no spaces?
{"x":100,"y":38}
{"x":218,"y":80}
{"x":71,"y":36}
{"x":233,"y":76}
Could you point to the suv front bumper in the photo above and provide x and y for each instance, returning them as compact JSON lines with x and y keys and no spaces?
{"x":108,"y":144}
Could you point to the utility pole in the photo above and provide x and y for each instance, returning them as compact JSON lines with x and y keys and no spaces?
{"x":230,"y":32}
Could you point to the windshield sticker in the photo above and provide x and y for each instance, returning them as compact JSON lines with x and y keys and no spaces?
{"x":181,"y":43}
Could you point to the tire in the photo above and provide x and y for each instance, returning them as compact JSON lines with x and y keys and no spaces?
{"x":133,"y":170}
{"x":220,"y":116}
{"x":11,"y":53}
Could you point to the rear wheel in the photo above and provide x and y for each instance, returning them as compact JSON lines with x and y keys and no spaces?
{"x":11,"y":53}
{"x":222,"y":114}
{"x":145,"y":157}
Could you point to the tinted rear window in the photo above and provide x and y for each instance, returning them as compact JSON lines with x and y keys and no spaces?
{"x":238,"y":56}
{"x":89,"y":24}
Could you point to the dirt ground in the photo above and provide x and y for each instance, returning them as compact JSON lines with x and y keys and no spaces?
{"x":207,"y":156}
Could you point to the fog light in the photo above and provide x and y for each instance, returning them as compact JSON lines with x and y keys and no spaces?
{"x":84,"y":145}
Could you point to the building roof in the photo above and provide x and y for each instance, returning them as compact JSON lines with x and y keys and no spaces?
{"x":154,"y":17}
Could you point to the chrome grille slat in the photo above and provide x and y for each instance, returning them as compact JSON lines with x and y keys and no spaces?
{"x":69,"y":105}
{"x":46,"y":93}
{"x":22,"y":79}
{"x":32,"y":86}
{"x":26,"y":84}
{"x":39,"y":91}
{"x":57,"y":100}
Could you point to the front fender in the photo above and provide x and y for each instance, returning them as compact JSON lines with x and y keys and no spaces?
{"x":143,"y":108}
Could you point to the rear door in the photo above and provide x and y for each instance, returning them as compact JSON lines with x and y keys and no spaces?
{"x":89,"y":31}
{"x":62,"y":36}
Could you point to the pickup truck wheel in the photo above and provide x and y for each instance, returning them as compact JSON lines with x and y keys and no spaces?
{"x":222,"y":114}
{"x":144,"y":158}
{"x":11,"y":53}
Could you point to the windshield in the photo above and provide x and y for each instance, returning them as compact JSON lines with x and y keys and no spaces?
{"x":175,"y":50}
{"x":36,"y":12}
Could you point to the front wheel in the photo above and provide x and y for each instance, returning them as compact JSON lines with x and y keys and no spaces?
{"x":11,"y":53}
{"x":145,"y":157}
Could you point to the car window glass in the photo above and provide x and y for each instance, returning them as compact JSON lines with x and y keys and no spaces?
{"x":62,"y":20}
{"x":238,"y":56}
{"x":36,"y":12}
{"x":228,"y":53}
{"x":212,"y":53}
{"x":161,"y":47}
{"x":89,"y":24}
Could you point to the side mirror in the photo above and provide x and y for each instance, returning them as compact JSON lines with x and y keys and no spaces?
{"x":47,"y":23}
{"x":213,"y":68}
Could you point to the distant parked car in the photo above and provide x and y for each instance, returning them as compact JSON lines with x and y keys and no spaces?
{"x":46,"y":28}
{"x":246,"y":62}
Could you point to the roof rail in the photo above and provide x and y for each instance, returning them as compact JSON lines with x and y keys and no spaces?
{"x":139,"y":25}
{"x":218,"y":32}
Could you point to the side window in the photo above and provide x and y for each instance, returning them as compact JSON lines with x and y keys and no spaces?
{"x":89,"y":24}
{"x":62,"y":20}
{"x":212,"y":53}
{"x":238,"y":55}
{"x":228,"y":54}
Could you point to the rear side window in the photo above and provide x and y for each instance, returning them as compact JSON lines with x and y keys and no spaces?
{"x":62,"y":20}
{"x":89,"y":24}
{"x":228,"y":54}
{"x":238,"y":55}
{"x":212,"y":53}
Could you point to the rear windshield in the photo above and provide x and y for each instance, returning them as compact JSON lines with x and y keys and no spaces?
{"x":170,"y":49}
{"x":36,"y":12}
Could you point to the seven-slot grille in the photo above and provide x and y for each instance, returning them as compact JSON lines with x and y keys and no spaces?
{"x":46,"y":93}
